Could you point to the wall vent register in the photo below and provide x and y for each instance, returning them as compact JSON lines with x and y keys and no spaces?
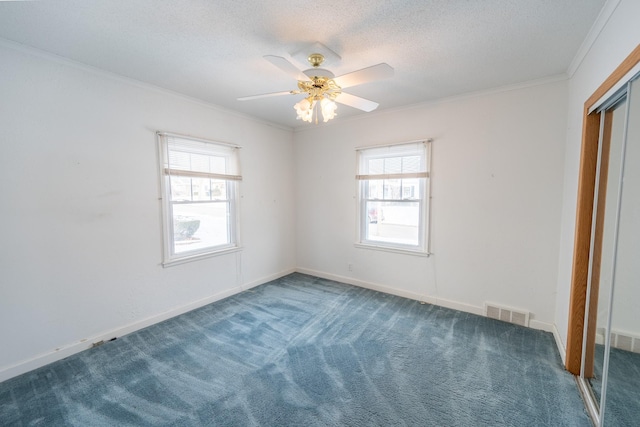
{"x":507,"y":314}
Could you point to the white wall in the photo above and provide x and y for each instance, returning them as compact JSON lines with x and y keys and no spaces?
{"x":81,"y":222}
{"x":81,"y":217}
{"x":496,"y":200}
{"x":617,"y":38}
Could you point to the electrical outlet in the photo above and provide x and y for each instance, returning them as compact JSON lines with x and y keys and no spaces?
{"x":350,"y":266}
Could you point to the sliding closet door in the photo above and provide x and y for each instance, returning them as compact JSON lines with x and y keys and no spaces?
{"x":612,"y":138}
{"x":621,"y":397}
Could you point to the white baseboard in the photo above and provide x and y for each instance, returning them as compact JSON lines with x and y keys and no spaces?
{"x":561,"y":349}
{"x":84,"y":344}
{"x":361,"y":284}
{"x":267,"y":279}
{"x":454,"y":305}
{"x":551,"y":327}
{"x":543,"y":326}
{"x":394,"y":291}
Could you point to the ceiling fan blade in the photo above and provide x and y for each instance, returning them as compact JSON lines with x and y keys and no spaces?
{"x":365,"y":75}
{"x":266,"y":95}
{"x":286,"y":66}
{"x":356,"y":102}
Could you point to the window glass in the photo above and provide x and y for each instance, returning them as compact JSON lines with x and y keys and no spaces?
{"x":200,"y":180}
{"x":393,"y":203}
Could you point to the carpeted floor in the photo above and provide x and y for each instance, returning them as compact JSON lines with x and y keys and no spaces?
{"x":623,"y":386}
{"x":303,"y":351}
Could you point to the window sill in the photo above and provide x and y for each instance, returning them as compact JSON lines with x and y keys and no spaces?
{"x":392,"y":249}
{"x":196,"y":257}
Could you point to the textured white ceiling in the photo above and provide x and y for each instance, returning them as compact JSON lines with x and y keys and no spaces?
{"x":212,"y":49}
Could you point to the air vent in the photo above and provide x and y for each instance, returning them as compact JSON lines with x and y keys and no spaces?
{"x":625,"y":341}
{"x":507,"y":314}
{"x":493,"y":312}
{"x":621,"y":340}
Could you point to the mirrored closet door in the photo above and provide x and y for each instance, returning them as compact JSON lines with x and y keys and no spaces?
{"x":610,"y":365}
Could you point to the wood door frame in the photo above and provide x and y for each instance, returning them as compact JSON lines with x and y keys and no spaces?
{"x":584,"y":213}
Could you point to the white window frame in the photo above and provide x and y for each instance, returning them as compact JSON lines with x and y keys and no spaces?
{"x":424,"y":175}
{"x":232,"y":178}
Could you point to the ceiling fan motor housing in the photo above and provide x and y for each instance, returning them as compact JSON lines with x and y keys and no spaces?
{"x":316,"y":59}
{"x":318,"y":72}
{"x":318,"y":87}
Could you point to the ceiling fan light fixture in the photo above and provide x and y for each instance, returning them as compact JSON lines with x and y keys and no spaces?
{"x":328,"y":109}
{"x":304,"y":109}
{"x":319,"y":89}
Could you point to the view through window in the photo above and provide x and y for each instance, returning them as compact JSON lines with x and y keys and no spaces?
{"x":199,"y":185}
{"x":393,"y":195}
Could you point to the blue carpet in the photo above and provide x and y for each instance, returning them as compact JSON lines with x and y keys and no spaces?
{"x":623,"y":386}
{"x":303,"y":351}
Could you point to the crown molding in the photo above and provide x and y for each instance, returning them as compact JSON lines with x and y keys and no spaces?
{"x":593,"y":34}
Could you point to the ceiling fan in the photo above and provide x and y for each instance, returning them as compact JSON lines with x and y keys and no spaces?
{"x":321,"y":86}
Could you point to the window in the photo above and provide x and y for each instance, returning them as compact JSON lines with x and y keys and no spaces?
{"x":393,"y":196}
{"x":199,"y":187}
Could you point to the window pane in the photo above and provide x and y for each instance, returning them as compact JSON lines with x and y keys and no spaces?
{"x":411,"y":189}
{"x":393,"y":211}
{"x":218,"y":189}
{"x":198,"y":209}
{"x":406,"y":164}
{"x":197,"y":189}
{"x":411,"y":164}
{"x":374,"y":189}
{"x":197,"y":162}
{"x":393,"y":165}
{"x":180,"y":160}
{"x":200,"y":162}
{"x":200,"y":225}
{"x":376,"y":166}
{"x":392,"y":188}
{"x":180,"y":189}
{"x":393,"y":222}
{"x":200,"y":189}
